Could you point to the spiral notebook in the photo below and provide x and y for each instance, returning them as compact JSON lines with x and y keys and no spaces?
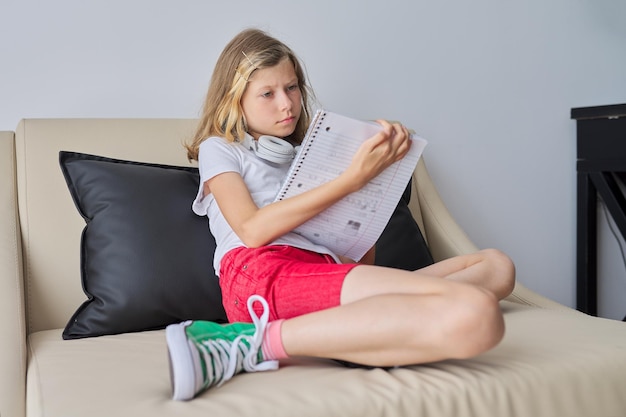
{"x":353,"y":225}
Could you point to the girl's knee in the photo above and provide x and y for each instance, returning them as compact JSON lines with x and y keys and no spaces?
{"x":478,"y":324}
{"x":499,"y":259}
{"x":503,"y":268}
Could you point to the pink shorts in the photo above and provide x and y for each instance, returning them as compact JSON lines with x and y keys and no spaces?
{"x":293,"y":281}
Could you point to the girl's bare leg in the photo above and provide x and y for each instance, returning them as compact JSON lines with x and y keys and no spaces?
{"x":391,"y":317}
{"x":490,"y":269}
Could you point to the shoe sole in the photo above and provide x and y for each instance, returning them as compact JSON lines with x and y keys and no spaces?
{"x":180,"y":363}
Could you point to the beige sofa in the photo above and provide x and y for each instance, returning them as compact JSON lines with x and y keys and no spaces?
{"x":553,"y":361}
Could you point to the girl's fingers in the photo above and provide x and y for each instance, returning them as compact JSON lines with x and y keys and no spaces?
{"x":394,"y":142}
{"x":401,"y":140}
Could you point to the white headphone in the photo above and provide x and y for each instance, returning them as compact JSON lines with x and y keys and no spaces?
{"x":270,"y":148}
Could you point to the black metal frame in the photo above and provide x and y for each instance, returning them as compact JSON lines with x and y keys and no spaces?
{"x":601,"y":161}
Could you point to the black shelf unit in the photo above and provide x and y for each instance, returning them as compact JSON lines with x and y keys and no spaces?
{"x":601,"y":167}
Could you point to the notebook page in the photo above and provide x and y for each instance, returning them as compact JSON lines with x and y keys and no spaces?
{"x":353,"y":225}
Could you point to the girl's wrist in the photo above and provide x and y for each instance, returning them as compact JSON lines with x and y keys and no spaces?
{"x":348,"y":182}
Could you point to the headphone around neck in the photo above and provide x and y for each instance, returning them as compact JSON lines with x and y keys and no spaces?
{"x":270,"y":148}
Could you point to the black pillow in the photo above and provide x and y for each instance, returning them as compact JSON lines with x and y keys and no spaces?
{"x":401,"y":245}
{"x":146,"y":258}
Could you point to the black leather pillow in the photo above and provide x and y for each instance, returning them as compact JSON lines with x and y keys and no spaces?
{"x":146,"y":258}
{"x":401,"y":244}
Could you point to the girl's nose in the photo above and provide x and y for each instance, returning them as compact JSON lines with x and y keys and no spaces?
{"x":285,"y":101}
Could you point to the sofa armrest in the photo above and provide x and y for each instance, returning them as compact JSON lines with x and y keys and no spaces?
{"x":12,"y":311}
{"x":446,"y":238}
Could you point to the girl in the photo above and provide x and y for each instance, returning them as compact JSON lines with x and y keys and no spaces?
{"x":302,"y":298}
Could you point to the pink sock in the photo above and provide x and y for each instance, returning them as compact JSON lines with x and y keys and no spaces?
{"x":272,"y":346}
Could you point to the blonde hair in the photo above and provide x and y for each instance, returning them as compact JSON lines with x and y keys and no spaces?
{"x":222,"y":113}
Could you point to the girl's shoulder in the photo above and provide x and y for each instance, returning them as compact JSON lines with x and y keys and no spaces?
{"x":217,"y":148}
{"x":218,"y":144}
{"x":217,"y":141}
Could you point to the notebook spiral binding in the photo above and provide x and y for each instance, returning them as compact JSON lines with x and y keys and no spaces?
{"x":317,"y":122}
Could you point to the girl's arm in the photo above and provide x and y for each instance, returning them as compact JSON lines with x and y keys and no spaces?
{"x":259,"y":226}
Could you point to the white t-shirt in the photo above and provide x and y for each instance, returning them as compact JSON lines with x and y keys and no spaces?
{"x":263,"y":179}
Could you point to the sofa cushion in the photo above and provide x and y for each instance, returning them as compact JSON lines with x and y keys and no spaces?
{"x":550,"y":363}
{"x":145,"y":257}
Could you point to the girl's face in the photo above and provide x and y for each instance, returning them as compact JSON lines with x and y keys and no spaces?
{"x":272,"y":101}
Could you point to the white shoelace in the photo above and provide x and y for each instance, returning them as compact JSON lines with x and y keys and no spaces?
{"x":228,"y":358}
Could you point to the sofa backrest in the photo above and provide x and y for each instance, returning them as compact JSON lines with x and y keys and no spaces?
{"x":51,"y":226}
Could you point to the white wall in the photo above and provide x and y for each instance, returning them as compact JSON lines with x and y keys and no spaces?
{"x":489,"y":83}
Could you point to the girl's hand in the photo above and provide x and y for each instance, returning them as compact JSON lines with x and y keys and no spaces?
{"x":378,"y":153}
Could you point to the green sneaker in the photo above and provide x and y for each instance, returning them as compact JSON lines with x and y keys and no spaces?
{"x":203,"y":354}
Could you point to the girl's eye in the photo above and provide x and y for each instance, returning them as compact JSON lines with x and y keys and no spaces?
{"x":292,"y":87}
{"x":267,"y":94}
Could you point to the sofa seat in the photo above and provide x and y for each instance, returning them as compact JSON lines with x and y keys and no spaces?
{"x":533,"y":372}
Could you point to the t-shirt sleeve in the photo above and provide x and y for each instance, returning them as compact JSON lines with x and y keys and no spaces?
{"x":216,"y":156}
